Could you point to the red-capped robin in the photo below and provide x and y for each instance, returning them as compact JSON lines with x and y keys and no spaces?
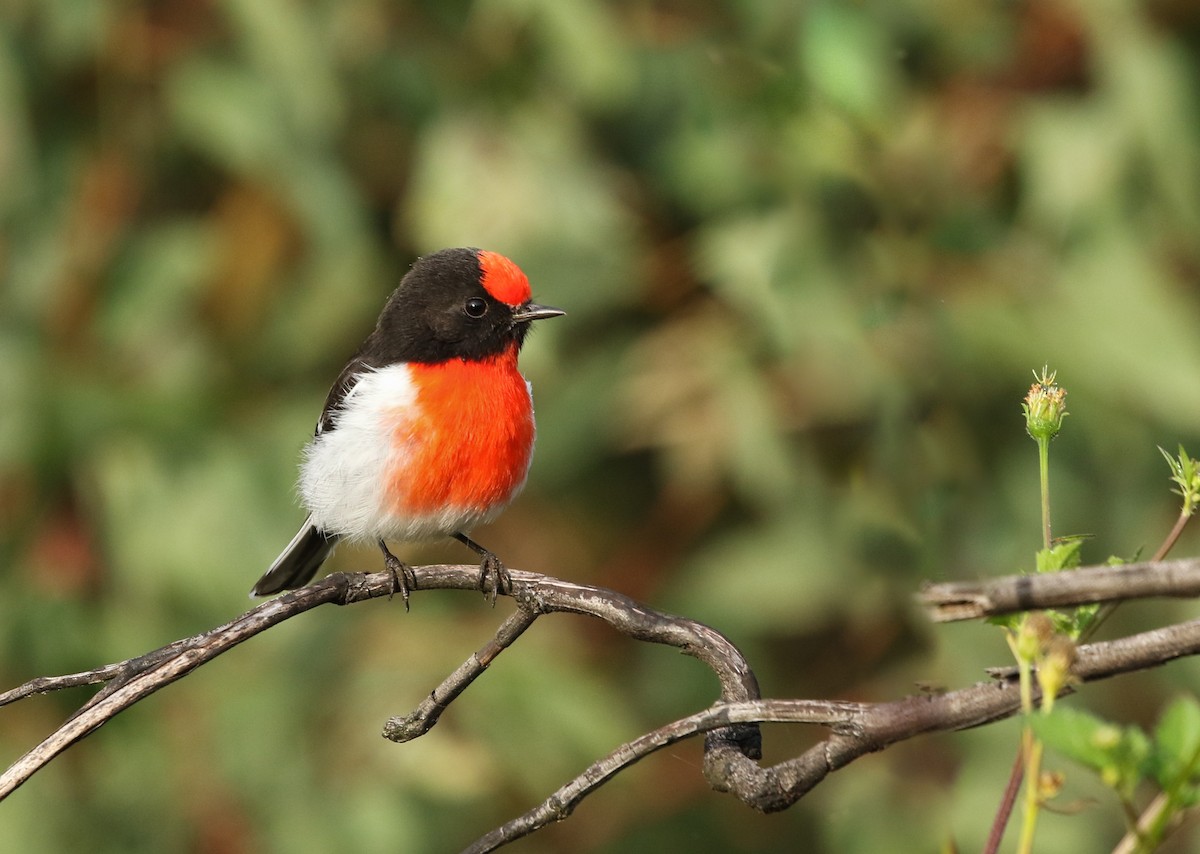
{"x":429,"y":430}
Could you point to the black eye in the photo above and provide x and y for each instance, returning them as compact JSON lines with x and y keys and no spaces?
{"x":475,"y":307}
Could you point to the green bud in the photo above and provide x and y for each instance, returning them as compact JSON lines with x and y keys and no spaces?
{"x":1033,"y":633}
{"x":1185,"y":471}
{"x":1054,"y":669}
{"x":1045,"y":406}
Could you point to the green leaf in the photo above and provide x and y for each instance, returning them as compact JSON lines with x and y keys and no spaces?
{"x":1118,"y":754}
{"x":1083,"y":618}
{"x":1177,"y":745}
{"x":1064,"y":555}
{"x":1006,"y":621}
{"x":1179,"y":728}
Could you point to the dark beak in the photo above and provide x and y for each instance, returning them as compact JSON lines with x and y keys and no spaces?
{"x":533,"y":311}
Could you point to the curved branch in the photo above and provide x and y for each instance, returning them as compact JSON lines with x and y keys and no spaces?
{"x":858,"y":728}
{"x":132,"y":680}
{"x":539,"y":594}
{"x":723,"y":715}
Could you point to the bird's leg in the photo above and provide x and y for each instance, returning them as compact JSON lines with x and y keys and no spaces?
{"x":489,"y":567}
{"x":403,"y":579}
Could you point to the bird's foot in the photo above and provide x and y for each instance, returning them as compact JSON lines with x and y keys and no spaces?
{"x":493,"y":575}
{"x":403,"y":579}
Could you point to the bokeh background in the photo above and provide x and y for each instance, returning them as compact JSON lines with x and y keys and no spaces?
{"x":811,"y":253}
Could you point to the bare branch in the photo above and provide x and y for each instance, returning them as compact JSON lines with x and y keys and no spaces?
{"x":858,"y":729}
{"x":132,"y":680}
{"x":563,"y":802}
{"x":140,"y":677}
{"x":726,"y":749}
{"x":732,"y":747}
{"x":50,"y":684}
{"x":969,"y":600}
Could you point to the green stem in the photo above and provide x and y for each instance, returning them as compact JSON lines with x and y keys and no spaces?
{"x":1044,"y":468}
{"x":1156,"y":829}
{"x":1025,"y":674}
{"x":1033,"y":773}
{"x":1158,"y":817}
{"x":1031,"y":750}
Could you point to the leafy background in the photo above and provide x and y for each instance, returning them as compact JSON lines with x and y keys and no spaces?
{"x":810,"y":252}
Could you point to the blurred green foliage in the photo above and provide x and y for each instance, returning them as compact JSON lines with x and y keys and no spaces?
{"x":810,"y":254}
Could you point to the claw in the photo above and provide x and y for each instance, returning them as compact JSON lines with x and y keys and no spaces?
{"x":491,"y":568}
{"x":403,"y":579}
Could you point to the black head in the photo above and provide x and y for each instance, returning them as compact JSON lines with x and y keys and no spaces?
{"x":456,"y":303}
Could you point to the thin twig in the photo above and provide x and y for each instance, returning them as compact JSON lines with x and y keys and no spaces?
{"x":563,"y":802}
{"x":420,"y":720}
{"x":1164,"y":549}
{"x":1172,"y":537}
{"x":969,"y":600}
{"x":159,"y":669}
{"x":1007,"y":801}
{"x":50,"y":684}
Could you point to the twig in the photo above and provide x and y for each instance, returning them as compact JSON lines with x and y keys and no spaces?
{"x":1173,"y":537}
{"x":49,"y":684}
{"x":969,"y":600}
{"x":142,"y":676}
{"x":563,"y":802}
{"x":423,"y":718}
{"x":1007,"y":801}
{"x":538,"y":594}
{"x":1163,"y":550}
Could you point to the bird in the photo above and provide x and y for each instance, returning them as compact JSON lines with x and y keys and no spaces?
{"x":429,"y":430}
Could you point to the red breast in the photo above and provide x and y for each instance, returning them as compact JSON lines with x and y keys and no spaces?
{"x":470,"y":444}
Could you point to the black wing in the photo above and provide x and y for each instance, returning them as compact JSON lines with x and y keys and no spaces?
{"x":342,"y":386}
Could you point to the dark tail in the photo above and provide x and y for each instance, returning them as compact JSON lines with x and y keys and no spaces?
{"x":299,"y":561}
